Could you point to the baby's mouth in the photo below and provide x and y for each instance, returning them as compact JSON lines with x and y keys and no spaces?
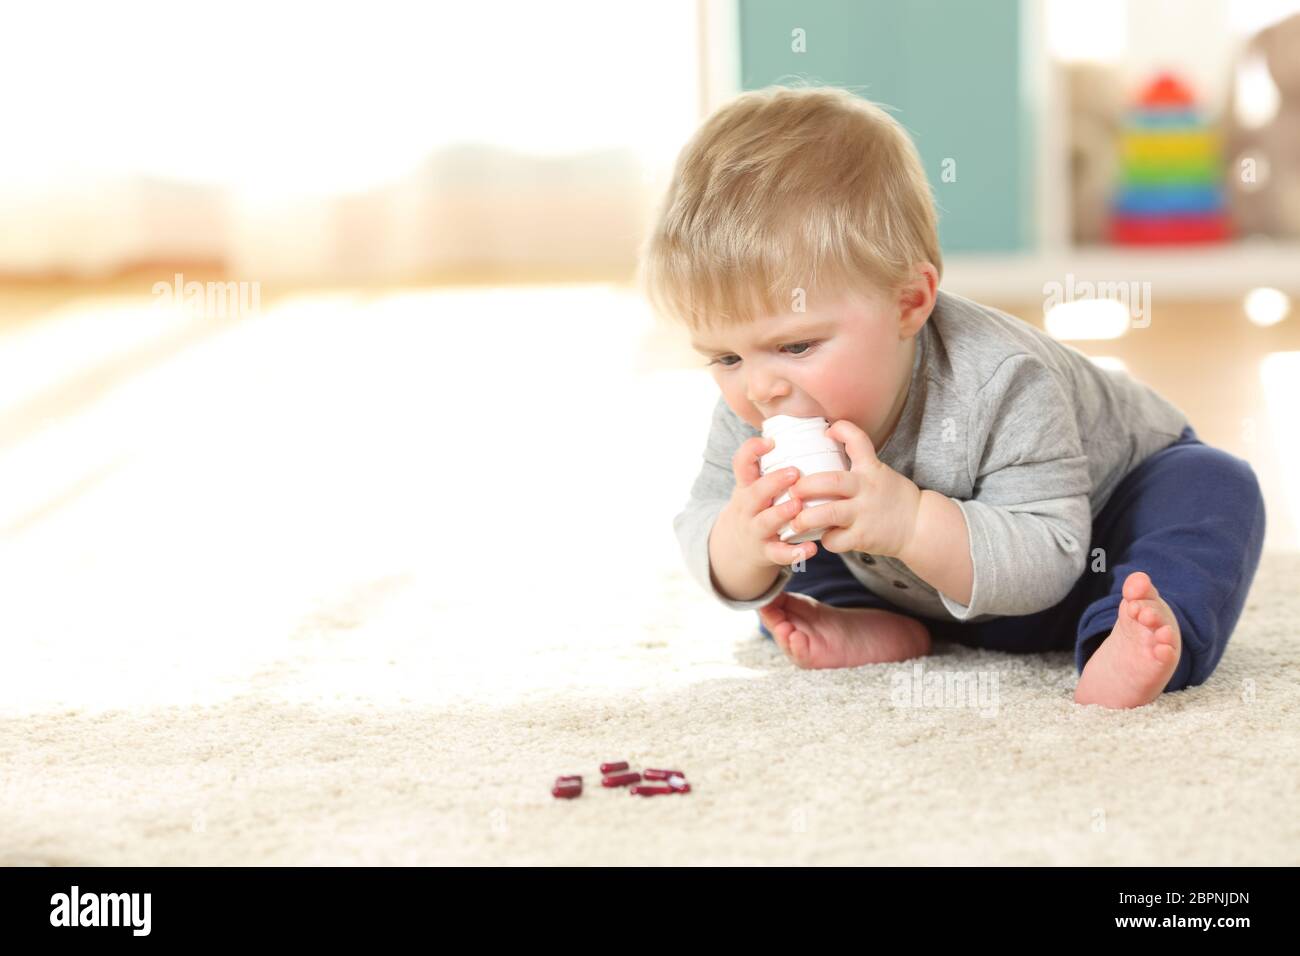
{"x":794,"y":415}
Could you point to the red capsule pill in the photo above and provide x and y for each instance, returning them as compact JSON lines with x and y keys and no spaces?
{"x":620,"y":779}
{"x":612,"y":767}
{"x":568,"y":791}
{"x":649,"y":791}
{"x":662,"y":774}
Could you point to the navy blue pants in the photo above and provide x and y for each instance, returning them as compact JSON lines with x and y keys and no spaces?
{"x":1191,"y":516}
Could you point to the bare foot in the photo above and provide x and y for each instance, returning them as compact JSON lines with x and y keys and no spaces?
{"x":816,"y":634}
{"x":1136,"y":660}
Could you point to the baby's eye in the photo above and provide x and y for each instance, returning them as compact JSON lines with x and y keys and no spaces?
{"x":806,"y":346}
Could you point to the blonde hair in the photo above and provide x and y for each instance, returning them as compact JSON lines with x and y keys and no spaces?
{"x":783,"y":189}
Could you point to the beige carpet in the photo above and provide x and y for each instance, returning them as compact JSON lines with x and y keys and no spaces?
{"x":270,"y":622}
{"x":786,"y":766}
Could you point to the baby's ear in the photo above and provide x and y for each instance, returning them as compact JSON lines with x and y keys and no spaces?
{"x":913,"y":310}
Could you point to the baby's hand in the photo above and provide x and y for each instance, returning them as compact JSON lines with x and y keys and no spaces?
{"x":877,"y":507}
{"x":749,"y":524}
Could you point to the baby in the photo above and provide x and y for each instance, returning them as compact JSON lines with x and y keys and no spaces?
{"x":1005,"y":492}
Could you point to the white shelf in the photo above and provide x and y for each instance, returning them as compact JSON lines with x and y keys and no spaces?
{"x":1227,"y":270}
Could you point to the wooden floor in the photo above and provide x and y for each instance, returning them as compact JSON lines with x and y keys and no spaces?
{"x":64,"y":347}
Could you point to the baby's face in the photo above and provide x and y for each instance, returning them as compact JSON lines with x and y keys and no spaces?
{"x":850,"y":359}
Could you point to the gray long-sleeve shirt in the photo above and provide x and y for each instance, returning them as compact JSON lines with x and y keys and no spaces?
{"x":1027,"y":434}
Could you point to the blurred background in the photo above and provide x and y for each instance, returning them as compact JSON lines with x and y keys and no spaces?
{"x":315,"y":314}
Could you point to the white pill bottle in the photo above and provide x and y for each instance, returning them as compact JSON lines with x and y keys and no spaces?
{"x":801,"y":443}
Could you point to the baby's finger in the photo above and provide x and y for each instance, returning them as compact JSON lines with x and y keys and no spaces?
{"x":770,"y":487}
{"x":778,"y":552}
{"x":745,"y":463}
{"x":825,"y":515}
{"x":772,"y":520}
{"x":824,"y":484}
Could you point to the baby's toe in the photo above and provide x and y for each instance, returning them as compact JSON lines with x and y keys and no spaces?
{"x":776,"y":624}
{"x":1162,"y":645}
{"x":770,"y":615}
{"x":1149,"y":616}
{"x":1138,"y":586}
{"x":799,"y":648}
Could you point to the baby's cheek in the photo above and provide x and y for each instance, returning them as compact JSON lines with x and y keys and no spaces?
{"x":858,"y":401}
